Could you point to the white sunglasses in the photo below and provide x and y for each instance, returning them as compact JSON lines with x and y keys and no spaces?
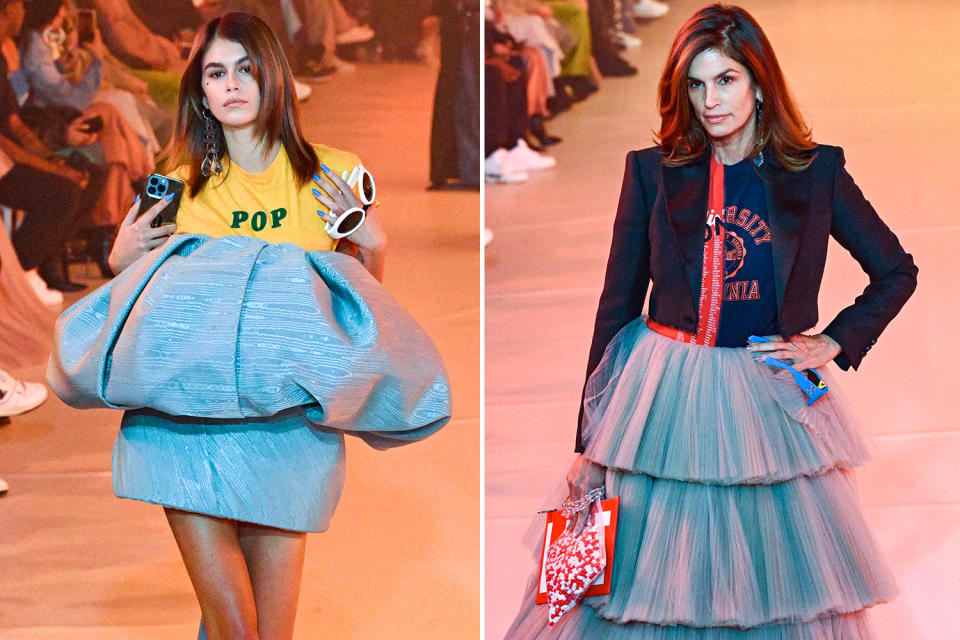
{"x":351,"y":219}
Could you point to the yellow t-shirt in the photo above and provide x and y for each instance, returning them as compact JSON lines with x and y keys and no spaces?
{"x":266,"y":205}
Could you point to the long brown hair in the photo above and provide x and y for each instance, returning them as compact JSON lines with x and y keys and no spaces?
{"x":279,"y":117}
{"x":735,"y":33}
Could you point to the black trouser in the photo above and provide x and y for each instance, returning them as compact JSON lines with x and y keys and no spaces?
{"x":455,"y":130}
{"x":602,"y":24}
{"x":505,"y":115}
{"x":52,"y":207}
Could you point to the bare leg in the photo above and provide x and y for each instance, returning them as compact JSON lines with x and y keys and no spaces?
{"x":211,"y":552}
{"x":342,"y":20}
{"x":275,"y":564}
{"x":329,"y":38}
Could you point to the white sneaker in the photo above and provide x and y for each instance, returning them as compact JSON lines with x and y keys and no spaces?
{"x":356,"y":35}
{"x":628,"y":40}
{"x":498,"y":167}
{"x":302,"y":90}
{"x":341,"y":65}
{"x":18,"y":397}
{"x":526,"y":159}
{"x":4,"y":487}
{"x":47,"y":295}
{"x":649,"y":9}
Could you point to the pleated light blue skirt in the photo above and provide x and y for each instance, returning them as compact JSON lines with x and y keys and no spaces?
{"x":739,"y":518}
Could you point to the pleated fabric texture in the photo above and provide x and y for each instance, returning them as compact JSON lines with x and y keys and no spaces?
{"x":280,"y":471}
{"x":739,"y":517}
{"x":235,"y":327}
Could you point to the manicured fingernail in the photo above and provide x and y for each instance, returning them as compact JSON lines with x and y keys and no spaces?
{"x":169,"y":196}
{"x":325,"y":168}
{"x":137,"y":200}
{"x":316,"y":193}
{"x":316,"y":178}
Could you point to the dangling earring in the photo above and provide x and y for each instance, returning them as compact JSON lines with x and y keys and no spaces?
{"x":758,"y":160}
{"x":759,"y":115}
{"x":211,"y":162}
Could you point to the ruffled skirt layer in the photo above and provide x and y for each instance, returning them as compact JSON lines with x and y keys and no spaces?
{"x":739,"y":518}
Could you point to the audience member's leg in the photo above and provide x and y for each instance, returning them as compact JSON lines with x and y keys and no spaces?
{"x":467,"y":110}
{"x":537,"y":83}
{"x":51,"y":204}
{"x":602,"y":21}
{"x":577,"y":61}
{"x":496,"y":110}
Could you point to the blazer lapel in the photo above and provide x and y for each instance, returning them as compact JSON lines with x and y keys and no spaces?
{"x":788,"y":200}
{"x":685,"y":196}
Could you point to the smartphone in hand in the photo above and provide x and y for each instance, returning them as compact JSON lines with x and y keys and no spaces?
{"x":86,"y":23}
{"x":92,"y":125}
{"x":158,"y":188}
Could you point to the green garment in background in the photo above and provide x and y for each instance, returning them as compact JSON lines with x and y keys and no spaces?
{"x":577,"y":62}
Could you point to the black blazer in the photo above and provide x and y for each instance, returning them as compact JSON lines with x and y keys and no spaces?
{"x":658,"y":237}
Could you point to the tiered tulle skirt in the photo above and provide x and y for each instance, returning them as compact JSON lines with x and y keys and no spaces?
{"x":739,"y":517}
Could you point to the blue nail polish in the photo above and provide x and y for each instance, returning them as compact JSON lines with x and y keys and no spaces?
{"x":169,"y":196}
{"x":325,"y":168}
{"x":316,"y":193}
{"x":137,"y":200}
{"x":316,"y":178}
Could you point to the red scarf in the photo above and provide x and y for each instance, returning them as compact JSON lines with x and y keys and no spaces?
{"x":711,"y":279}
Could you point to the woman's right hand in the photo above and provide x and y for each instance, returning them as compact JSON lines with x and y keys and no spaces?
{"x":136,"y":237}
{"x":583,"y":476}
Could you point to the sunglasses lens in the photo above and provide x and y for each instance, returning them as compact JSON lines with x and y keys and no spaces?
{"x":366,"y":187}
{"x":348,"y":223}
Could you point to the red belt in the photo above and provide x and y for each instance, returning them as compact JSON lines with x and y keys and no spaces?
{"x":674,"y":334}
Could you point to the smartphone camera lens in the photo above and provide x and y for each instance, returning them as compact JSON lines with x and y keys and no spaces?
{"x":156,"y":187}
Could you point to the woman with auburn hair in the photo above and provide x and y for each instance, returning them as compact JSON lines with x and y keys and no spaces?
{"x":246,"y":338}
{"x":712,"y":418}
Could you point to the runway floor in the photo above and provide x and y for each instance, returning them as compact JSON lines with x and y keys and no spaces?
{"x":879,"y":79}
{"x":402,"y":556}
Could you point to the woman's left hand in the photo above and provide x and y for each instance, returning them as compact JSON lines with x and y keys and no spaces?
{"x":337,"y":196}
{"x":800,"y":351}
